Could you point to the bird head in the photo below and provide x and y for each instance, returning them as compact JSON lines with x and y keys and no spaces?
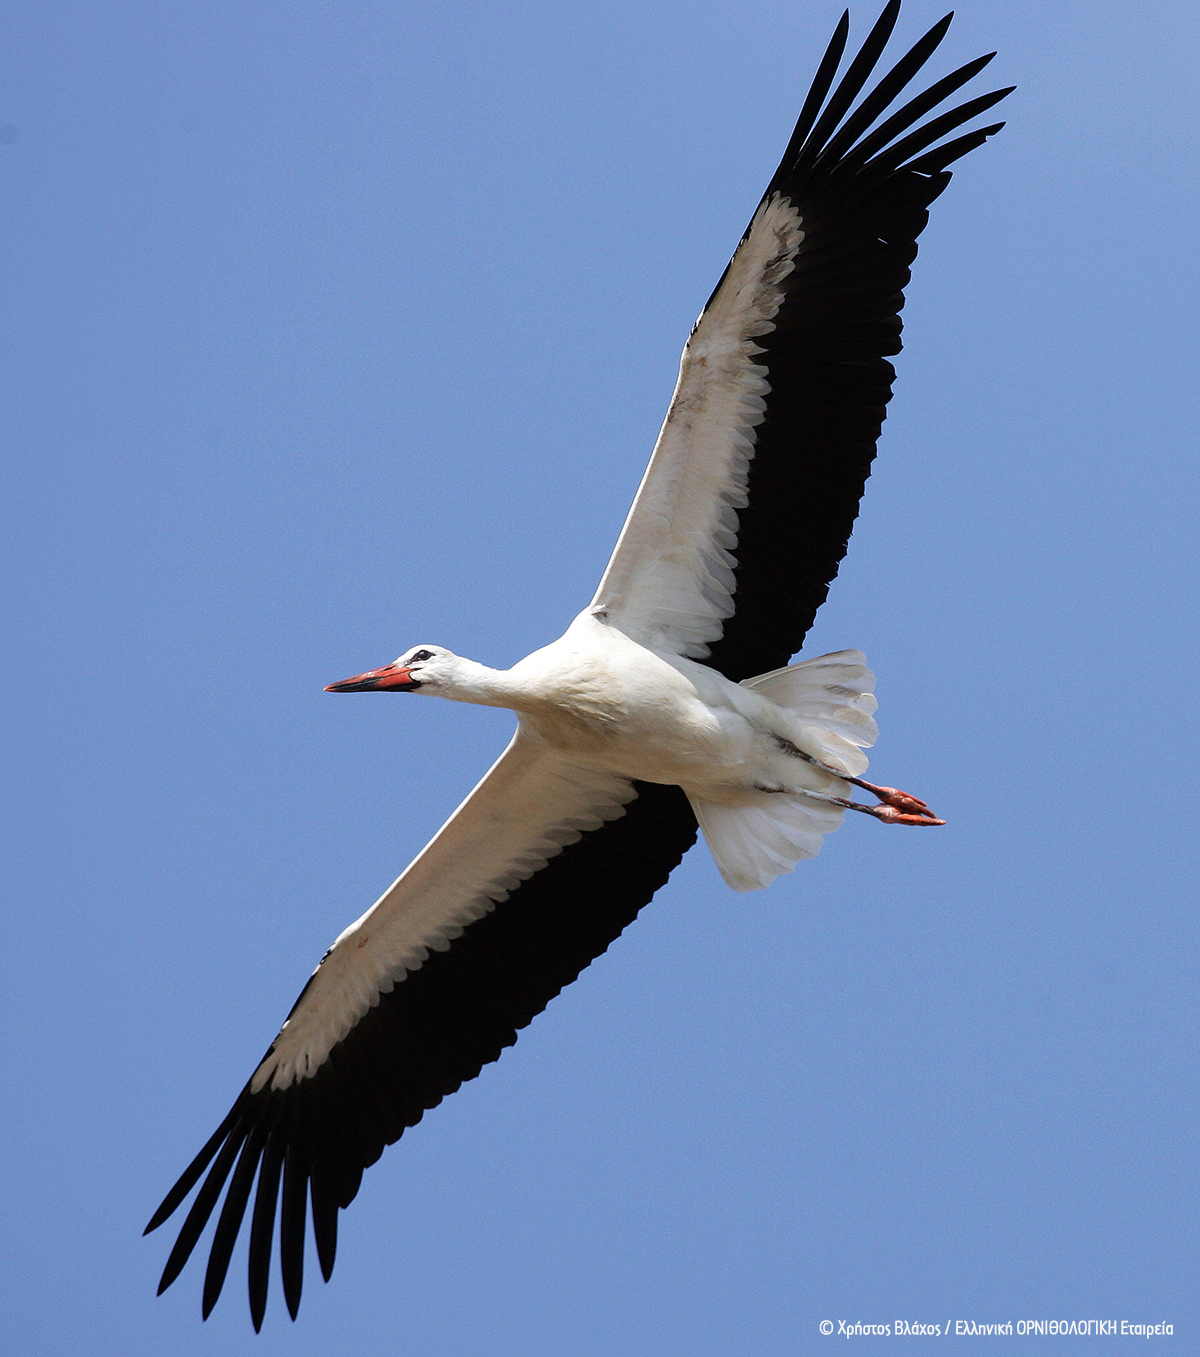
{"x":416,"y":668}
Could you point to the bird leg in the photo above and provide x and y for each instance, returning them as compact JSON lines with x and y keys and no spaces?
{"x":898,"y":808}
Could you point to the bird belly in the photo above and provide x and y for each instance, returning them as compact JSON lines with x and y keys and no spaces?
{"x":649,"y":745}
{"x":610,"y":704}
{"x":716,"y":755}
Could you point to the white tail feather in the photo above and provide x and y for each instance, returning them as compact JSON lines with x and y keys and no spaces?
{"x":754,"y":843}
{"x":767,"y":833}
{"x":832,"y":695}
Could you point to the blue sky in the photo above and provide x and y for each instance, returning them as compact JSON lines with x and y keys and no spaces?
{"x":335,"y":328}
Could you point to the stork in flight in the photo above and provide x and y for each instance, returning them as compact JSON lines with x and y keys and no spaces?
{"x":668,"y":704}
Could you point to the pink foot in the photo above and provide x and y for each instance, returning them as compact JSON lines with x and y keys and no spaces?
{"x":901,"y":808}
{"x":891,"y":816}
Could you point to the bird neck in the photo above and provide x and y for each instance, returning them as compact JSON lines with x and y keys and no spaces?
{"x":473,"y":682}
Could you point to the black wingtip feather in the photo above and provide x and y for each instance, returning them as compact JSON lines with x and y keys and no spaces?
{"x":819,"y":88}
{"x":887,"y":90}
{"x":191,"y":1175}
{"x":202,"y":1208}
{"x":262,"y":1227}
{"x":904,"y":117}
{"x":291,"y":1225}
{"x":230,"y":1220}
{"x":325,"y":1223}
{"x":896,"y":156}
{"x":328,"y":1153}
{"x":937,"y":160}
{"x":857,"y":75}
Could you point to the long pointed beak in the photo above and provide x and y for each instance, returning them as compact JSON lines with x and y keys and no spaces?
{"x":390,"y":679}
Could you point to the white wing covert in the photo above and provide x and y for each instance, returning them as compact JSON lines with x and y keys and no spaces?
{"x":669,"y":584}
{"x":525,"y":810}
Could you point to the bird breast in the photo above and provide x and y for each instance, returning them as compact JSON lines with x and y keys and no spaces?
{"x":607,"y":702}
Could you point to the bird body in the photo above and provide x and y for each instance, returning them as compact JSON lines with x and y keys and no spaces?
{"x":598,"y":700}
{"x":668,"y":707}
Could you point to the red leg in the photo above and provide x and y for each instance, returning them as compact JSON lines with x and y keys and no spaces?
{"x":899,"y":808}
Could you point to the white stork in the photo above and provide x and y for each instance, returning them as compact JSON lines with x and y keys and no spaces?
{"x":663,"y":706}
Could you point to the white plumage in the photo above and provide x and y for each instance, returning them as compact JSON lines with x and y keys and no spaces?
{"x":670,"y":581}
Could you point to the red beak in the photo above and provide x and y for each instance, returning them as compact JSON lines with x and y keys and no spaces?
{"x":390,"y":679}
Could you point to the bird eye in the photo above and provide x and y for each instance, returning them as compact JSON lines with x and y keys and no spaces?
{"x":422,"y":655}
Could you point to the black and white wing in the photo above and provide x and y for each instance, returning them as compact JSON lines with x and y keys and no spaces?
{"x":738,"y":527}
{"x":437,"y":977}
{"x":746,"y":508}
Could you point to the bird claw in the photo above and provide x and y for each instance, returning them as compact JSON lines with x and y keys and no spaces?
{"x":902,"y":801}
{"x":891,"y":816}
{"x":900,"y":808}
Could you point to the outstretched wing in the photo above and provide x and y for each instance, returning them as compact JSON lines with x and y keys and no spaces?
{"x":746,"y":508}
{"x":532,"y":878}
